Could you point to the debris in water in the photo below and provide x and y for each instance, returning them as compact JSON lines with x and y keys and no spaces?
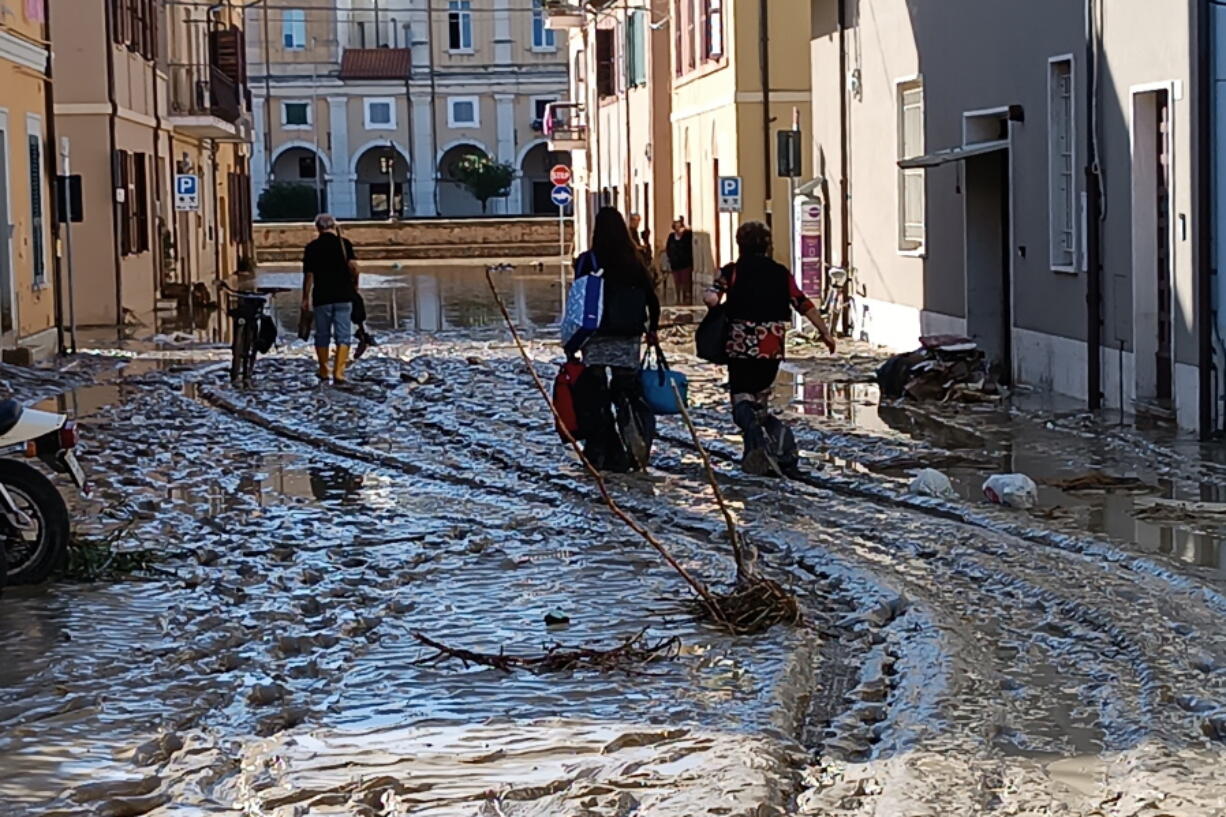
{"x":931,"y":482}
{"x":630,"y":653}
{"x":1012,"y":490}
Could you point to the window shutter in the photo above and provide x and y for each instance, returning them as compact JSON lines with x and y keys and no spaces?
{"x":226,"y":53}
{"x":36,"y":209}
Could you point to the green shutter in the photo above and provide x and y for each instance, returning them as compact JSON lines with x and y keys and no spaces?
{"x":636,"y":48}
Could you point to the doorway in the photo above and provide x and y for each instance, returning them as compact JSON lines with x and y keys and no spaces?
{"x":379,"y":200}
{"x":1152,"y":249}
{"x":989,"y":297}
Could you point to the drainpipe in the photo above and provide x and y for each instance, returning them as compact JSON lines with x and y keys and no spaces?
{"x":1094,"y":294}
{"x":51,"y":160}
{"x":1206,"y":267}
{"x":630,"y":206}
{"x":116,"y":214}
{"x":844,"y":134}
{"x":764,"y":57}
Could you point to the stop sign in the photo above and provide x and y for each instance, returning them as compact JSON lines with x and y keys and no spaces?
{"x":560,"y":175}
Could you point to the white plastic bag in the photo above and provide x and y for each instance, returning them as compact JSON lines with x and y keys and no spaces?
{"x":1014,"y":490}
{"x":930,"y":482}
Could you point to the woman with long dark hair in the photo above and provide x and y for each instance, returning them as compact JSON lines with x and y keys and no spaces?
{"x":616,"y":422}
{"x":760,"y":296}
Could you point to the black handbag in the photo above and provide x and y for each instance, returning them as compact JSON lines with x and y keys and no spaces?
{"x":711,"y":339}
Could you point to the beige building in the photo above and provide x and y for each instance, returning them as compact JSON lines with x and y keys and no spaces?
{"x":371,"y":104}
{"x":726,"y":78}
{"x":27,"y":293}
{"x":616,"y":120}
{"x":155,"y":91}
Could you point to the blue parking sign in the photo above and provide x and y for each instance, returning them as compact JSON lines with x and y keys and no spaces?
{"x":187,"y":192}
{"x":562,"y":196}
{"x":730,"y":194}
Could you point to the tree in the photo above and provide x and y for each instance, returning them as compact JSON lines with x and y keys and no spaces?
{"x":483,"y":177}
{"x":288,"y":200}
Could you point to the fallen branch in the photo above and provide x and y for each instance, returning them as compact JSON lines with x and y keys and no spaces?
{"x":634,"y":651}
{"x":707,"y":599}
{"x":734,"y":537}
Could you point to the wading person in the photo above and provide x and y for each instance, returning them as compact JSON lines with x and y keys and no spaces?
{"x":760,"y":294}
{"x":616,"y":422}
{"x":680,"y":251}
{"x":329,"y":288}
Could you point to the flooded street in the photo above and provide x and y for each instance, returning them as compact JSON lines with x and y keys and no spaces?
{"x":956,"y":658}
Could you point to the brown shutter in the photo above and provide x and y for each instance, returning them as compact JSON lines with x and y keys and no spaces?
{"x":226,"y":50}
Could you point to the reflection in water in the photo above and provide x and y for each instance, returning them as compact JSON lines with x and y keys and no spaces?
{"x":435,"y":299}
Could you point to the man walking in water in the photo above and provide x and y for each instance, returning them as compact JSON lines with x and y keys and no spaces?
{"x":329,"y":287}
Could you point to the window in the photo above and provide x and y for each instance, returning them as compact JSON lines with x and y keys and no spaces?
{"x":134,"y":24}
{"x":380,"y":114}
{"x":463,"y":112}
{"x":36,"y":210}
{"x":636,"y":48}
{"x":542,"y":37}
{"x":296,"y":115}
{"x":605,"y":76}
{"x":1061,"y":184}
{"x":460,"y":25}
{"x":307,"y":167}
{"x":540,"y":107}
{"x":140,"y":203}
{"x":678,"y":37}
{"x":713,"y":29}
{"x":911,"y":230}
{"x":293,"y":29}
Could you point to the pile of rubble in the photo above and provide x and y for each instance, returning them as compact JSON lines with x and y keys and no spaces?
{"x":944,"y":368}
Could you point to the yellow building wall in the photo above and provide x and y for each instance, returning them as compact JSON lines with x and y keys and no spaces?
{"x":23,"y":104}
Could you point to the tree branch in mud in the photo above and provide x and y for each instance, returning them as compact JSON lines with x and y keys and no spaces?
{"x":757,"y":603}
{"x":631,"y":652}
{"x":708,"y":601}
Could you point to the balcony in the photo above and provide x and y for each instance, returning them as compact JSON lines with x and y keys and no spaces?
{"x":206,"y":103}
{"x":564,"y":14}
{"x":565,"y":126}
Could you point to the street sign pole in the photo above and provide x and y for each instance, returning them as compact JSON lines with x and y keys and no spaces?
{"x":72,"y":305}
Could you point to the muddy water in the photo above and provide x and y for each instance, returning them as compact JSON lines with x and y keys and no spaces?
{"x":266,"y":665}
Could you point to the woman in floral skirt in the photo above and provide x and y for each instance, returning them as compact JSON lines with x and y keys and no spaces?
{"x":760,"y":295}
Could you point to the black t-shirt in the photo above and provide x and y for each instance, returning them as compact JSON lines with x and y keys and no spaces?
{"x":680,"y":250}
{"x":327,"y":259}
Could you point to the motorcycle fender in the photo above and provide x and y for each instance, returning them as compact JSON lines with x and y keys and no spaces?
{"x":32,"y":425}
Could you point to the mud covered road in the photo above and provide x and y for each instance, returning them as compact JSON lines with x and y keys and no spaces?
{"x":957,"y":659}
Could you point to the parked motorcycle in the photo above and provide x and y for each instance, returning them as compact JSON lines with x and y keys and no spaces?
{"x":34,"y":519}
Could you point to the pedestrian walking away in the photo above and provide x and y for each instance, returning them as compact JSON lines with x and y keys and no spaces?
{"x":330,"y":287}
{"x":615,"y":420}
{"x":759,"y":295}
{"x":680,"y":251}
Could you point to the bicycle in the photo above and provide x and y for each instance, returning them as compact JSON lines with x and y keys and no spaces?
{"x":838,"y":307}
{"x":254,"y":329}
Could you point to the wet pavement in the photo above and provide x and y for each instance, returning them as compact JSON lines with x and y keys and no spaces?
{"x":957,"y":658}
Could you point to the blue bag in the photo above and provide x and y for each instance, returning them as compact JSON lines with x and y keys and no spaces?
{"x":658,"y":382}
{"x":584,"y":309}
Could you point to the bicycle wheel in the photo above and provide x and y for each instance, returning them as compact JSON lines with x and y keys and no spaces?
{"x":238,"y":349}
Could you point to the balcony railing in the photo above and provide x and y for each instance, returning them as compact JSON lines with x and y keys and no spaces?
{"x":203,"y":90}
{"x":565,"y":126}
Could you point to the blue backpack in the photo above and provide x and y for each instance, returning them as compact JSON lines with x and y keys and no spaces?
{"x":584,"y":308}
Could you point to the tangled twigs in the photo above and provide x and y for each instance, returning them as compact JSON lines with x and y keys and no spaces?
{"x":632,"y":652}
{"x":707,"y":599}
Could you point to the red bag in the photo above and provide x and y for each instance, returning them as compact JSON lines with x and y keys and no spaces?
{"x":564,"y":398}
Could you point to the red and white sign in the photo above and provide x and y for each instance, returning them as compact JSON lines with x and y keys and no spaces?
{"x":560,"y":175}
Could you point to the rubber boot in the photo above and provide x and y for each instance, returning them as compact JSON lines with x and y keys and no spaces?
{"x":756,"y":460}
{"x":342,"y":360}
{"x":321,"y":353}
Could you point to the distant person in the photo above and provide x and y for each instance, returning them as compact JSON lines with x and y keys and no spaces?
{"x":618,"y":425}
{"x":680,"y":250}
{"x":329,"y":288}
{"x":760,"y":294}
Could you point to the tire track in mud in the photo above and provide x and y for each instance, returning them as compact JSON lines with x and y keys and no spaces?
{"x":1038,"y":638}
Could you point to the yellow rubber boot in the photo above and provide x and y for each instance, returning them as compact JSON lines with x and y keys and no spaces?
{"x":321,"y":352}
{"x":342,"y":360}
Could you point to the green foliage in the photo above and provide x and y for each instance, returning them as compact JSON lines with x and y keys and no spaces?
{"x":283,"y":201}
{"x":483,"y":177}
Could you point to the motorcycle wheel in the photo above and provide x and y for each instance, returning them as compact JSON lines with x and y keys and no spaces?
{"x":34,"y":553}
